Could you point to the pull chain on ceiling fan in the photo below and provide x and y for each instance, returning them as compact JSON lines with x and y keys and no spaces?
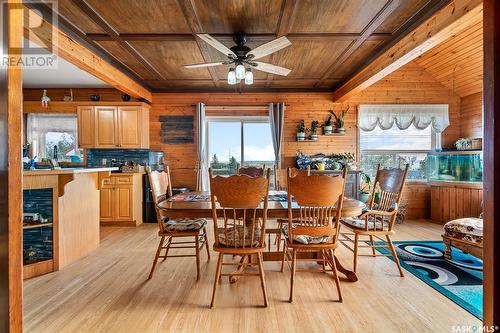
{"x":241,"y":55}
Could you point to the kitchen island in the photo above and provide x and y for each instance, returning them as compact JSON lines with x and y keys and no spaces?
{"x":62,"y":217}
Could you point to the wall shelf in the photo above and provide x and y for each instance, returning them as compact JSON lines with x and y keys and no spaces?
{"x":34,"y":226}
{"x":334,"y":134}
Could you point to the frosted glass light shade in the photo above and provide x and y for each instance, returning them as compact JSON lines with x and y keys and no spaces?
{"x":249,"y":77}
{"x":231,"y":77}
{"x":240,"y":72}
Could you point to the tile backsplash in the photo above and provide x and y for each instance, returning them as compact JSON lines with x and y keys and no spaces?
{"x":95,"y":156}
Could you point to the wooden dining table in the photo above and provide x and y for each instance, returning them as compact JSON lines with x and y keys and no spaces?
{"x":202,"y":208}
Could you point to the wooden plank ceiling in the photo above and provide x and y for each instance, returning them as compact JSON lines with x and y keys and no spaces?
{"x":458,"y":62}
{"x":153,"y":39}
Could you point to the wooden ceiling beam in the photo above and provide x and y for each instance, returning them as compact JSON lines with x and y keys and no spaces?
{"x":455,"y":17}
{"x":113,"y":34}
{"x":381,"y":16}
{"x":74,"y":32}
{"x":74,"y":52}
{"x":284,"y":25}
{"x":253,"y":37}
{"x":189,"y":10}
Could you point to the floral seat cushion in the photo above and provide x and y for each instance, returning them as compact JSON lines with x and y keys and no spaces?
{"x":306,"y":239}
{"x":469,"y":229}
{"x":185,"y":224}
{"x":360,"y":223}
{"x":233,"y":237}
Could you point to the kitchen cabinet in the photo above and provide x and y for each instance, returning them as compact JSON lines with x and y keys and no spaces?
{"x":121,"y":200}
{"x":129,"y":135}
{"x":106,"y":129}
{"x":86,"y":121}
{"x":123,"y":125}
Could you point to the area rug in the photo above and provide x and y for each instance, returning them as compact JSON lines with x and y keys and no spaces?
{"x":459,"y":279}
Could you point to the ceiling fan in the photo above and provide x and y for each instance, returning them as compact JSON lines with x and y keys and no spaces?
{"x":241,"y":55}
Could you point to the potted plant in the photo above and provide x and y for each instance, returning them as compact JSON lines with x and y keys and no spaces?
{"x":314,"y":130}
{"x":365,"y":187}
{"x":339,"y":121}
{"x":328,"y":126}
{"x":301,"y":131}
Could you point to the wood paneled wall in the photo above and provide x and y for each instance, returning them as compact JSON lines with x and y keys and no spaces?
{"x":307,"y":106}
{"x":471,"y":116}
{"x":80,"y":94}
{"x":413,"y":85}
{"x":409,"y":85}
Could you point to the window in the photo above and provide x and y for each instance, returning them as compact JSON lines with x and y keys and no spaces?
{"x":235,"y":142}
{"x":395,"y":147}
{"x":49,"y":132}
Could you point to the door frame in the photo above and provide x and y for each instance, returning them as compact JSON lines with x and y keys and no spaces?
{"x":491,"y":156}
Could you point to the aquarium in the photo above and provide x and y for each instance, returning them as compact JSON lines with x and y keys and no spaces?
{"x":455,"y":166}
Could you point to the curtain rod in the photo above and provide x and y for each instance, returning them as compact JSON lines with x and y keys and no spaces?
{"x":236,"y":106}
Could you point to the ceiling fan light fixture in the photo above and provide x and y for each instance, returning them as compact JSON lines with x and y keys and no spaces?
{"x":231,"y":77}
{"x":240,"y":72}
{"x":249,"y":77}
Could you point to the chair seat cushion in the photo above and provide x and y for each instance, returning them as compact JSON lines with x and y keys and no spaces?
{"x":307,"y":239}
{"x":360,"y":223}
{"x":233,"y":237}
{"x":185,"y":224}
{"x":469,"y":229}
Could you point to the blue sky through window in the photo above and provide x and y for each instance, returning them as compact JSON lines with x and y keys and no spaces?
{"x":225,"y":141}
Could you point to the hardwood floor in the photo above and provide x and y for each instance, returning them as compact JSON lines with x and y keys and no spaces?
{"x":107,"y":292}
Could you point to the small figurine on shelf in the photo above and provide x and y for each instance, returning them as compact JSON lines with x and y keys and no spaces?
{"x":339,"y":121}
{"x":301,"y":131}
{"x":45,"y":99}
{"x":314,"y":130}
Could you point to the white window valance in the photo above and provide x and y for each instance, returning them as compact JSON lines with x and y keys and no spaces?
{"x":403,"y":115}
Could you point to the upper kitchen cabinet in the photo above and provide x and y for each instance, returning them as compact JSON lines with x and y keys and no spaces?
{"x":106,"y":127}
{"x":86,"y":121}
{"x":113,"y":126}
{"x":133,"y":127}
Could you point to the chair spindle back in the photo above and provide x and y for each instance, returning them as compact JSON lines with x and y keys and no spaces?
{"x":389,"y":183}
{"x":161,"y":189}
{"x":320,"y":199}
{"x":240,"y":197}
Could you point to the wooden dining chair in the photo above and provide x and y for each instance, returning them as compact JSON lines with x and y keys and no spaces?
{"x":243,"y":203}
{"x":281,"y":222}
{"x":173,"y":229}
{"x":380,"y":218}
{"x":313,"y":223}
{"x":252,"y":171}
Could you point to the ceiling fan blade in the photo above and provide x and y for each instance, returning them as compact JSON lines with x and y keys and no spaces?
{"x":207,"y":64}
{"x":270,"y":47}
{"x":216,"y":44}
{"x":269,"y":68}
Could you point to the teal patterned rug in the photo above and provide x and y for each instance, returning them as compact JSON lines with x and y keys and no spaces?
{"x":460,"y":280}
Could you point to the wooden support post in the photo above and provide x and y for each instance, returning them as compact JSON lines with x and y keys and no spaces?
{"x":11,"y":28}
{"x":72,"y":51}
{"x":491,"y":155}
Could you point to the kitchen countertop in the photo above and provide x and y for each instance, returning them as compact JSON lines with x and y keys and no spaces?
{"x":66,"y":171}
